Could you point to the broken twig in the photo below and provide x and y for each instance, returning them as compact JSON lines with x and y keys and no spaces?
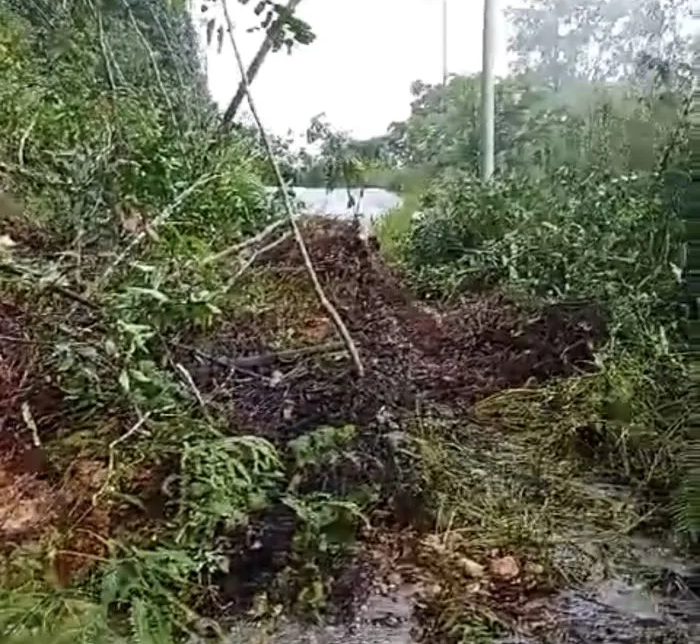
{"x":245,"y":265}
{"x":112,"y":451}
{"x":263,"y":359}
{"x":29,"y":421}
{"x":245,"y":244}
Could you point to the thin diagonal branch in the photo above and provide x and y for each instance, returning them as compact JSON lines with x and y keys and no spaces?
{"x":325,"y":302}
{"x":163,"y":216}
{"x":153,"y":60}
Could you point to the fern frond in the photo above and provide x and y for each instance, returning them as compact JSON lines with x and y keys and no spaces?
{"x":150,"y":623}
{"x":53,"y":617}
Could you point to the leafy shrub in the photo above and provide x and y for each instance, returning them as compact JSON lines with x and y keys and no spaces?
{"x":573,"y":236}
{"x":109,"y":137}
{"x":111,"y":118}
{"x":225,"y":480}
{"x":569,"y":236}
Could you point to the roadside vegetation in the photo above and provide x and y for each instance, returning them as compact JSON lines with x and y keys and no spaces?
{"x":190,"y":439}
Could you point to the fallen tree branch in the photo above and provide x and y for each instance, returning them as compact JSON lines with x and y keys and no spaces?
{"x":325,"y":302}
{"x":263,"y":359}
{"x":266,"y":359}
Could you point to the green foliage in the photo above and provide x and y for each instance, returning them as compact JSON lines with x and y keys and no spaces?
{"x":223,"y":482}
{"x":342,"y":165}
{"x":570,"y":236}
{"x":54,"y":618}
{"x":109,"y":137}
{"x":328,"y":524}
{"x":321,"y":446}
{"x":104,"y":129}
{"x":583,"y":208}
{"x":611,"y":126}
{"x":285,"y":28}
{"x":613,"y":240}
{"x":393,"y":226}
{"x":147,"y":586}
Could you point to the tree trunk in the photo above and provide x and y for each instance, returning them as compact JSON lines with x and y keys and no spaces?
{"x":255,"y":65}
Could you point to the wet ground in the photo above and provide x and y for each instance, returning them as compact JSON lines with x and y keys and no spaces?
{"x":384,"y":620}
{"x":466,"y":352}
{"x":624,"y":609}
{"x":642,"y":597}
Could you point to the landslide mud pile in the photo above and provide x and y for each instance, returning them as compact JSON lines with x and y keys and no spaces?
{"x":412,"y":353}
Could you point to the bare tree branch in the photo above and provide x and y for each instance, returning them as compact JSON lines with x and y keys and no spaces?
{"x":262,"y":235}
{"x":249,"y":76}
{"x":325,"y":302}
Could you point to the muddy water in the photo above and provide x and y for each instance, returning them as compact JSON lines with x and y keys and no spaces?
{"x":384,"y":620}
{"x":650,"y":598}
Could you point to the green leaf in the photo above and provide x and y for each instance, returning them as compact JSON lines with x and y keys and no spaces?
{"x":149,"y":292}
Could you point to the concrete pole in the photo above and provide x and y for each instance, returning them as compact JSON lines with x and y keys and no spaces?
{"x":488,"y":106}
{"x":444,"y":42}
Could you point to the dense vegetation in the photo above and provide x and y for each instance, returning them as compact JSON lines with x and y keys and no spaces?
{"x":110,"y":141}
{"x":135,"y":241}
{"x":592,"y":151}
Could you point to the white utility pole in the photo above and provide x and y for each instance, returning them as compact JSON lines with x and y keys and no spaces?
{"x":444,"y":42}
{"x":488,"y":106}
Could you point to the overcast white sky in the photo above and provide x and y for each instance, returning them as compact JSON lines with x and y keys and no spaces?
{"x":362,"y":63}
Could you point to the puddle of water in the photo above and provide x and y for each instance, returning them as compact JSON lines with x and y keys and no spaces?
{"x":620,"y":607}
{"x":385,"y":619}
{"x":618,"y":615}
{"x":630,"y":599}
